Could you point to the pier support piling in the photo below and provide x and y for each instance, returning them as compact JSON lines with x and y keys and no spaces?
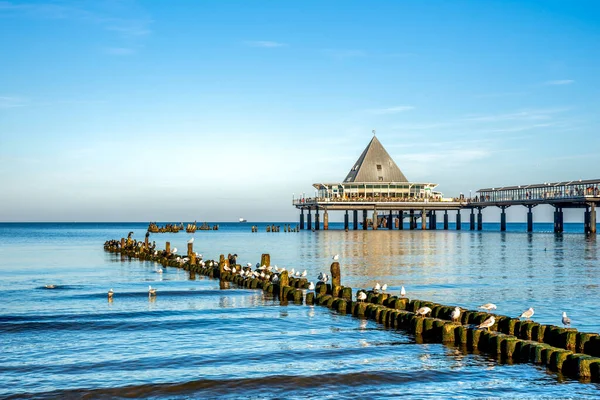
{"x":432,"y":220}
{"x":302,"y":218}
{"x":355,"y":219}
{"x":423,"y":219}
{"x":375,"y":221}
{"x":472,"y":220}
{"x":458,"y":221}
{"x":479,"y":219}
{"x":558,"y":220}
{"x":593,"y":218}
{"x":503,"y":219}
{"x":412,"y":221}
{"x":401,"y":219}
{"x":445,"y":220}
{"x":317,"y":222}
{"x":309,"y":220}
{"x":346,"y":221}
{"x":529,"y":219}
{"x":325,"y":220}
{"x":365,"y":224}
{"x":390,"y":220}
{"x":586,"y":220}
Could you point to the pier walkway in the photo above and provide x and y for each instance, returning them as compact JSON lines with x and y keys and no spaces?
{"x":390,"y":212}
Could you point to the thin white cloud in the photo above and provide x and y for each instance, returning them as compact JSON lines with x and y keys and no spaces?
{"x":559,"y":82}
{"x":391,"y":110}
{"x":11,"y":102}
{"x":264,"y":43}
{"x":525,"y":115}
{"x":109,"y":18}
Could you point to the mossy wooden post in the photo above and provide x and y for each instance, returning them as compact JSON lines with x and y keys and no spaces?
{"x":222,"y":263}
{"x":265,"y":259}
{"x":122,"y":243}
{"x":190,"y":249}
{"x":168,"y":247}
{"x":193,"y":258}
{"x":284,"y":281}
{"x":336,"y":275}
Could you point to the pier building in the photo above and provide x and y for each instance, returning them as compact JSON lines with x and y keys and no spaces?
{"x":376,"y":187}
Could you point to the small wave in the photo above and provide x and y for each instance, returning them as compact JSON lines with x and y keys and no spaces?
{"x":264,"y":386}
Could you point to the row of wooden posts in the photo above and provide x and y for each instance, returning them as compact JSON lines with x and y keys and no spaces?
{"x":562,"y":350}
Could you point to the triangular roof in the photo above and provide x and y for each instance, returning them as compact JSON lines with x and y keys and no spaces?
{"x":375,"y":165}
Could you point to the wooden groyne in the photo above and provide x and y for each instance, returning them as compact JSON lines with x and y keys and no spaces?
{"x":175,"y":228}
{"x":564,"y":350}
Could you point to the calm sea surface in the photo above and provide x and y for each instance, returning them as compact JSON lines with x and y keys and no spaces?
{"x":196,"y":340}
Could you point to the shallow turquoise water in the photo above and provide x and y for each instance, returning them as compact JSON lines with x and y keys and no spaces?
{"x":199,"y":340}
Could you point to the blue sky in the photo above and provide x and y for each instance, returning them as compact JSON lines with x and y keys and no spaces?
{"x":212,"y":110}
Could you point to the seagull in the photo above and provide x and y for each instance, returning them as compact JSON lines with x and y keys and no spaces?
{"x":361,"y":296}
{"x":298,"y":274}
{"x":275,"y":279}
{"x":249,"y":265}
{"x":423,"y":311}
{"x":311,"y":286}
{"x":377,"y":287}
{"x":110,"y":294}
{"x":402,"y":292}
{"x":566,"y":320}
{"x":292,"y":271}
{"x":174,"y":250}
{"x":384,"y":288}
{"x":527,"y":313}
{"x":226,"y":268}
{"x":336,"y":257}
{"x":262,"y":274}
{"x":303,"y":274}
{"x":455,"y":314}
{"x":487,"y":323}
{"x":488,"y":306}
{"x":191,"y":240}
{"x":50,"y":286}
{"x":151,"y":291}
{"x":262,"y":267}
{"x":159,"y":271}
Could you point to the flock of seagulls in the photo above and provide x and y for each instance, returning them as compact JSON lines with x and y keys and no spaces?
{"x":272,"y":273}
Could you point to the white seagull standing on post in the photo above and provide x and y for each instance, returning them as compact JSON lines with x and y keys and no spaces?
{"x":336,"y":257}
{"x":488,"y":306}
{"x":487,"y":323}
{"x":361,"y":296}
{"x":566,"y":320}
{"x":527,"y":313}
{"x":402,"y":292}
{"x":455,"y":314}
{"x":191,"y":240}
{"x":423,"y":311}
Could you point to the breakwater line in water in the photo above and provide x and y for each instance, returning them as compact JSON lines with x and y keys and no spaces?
{"x":563,"y":350}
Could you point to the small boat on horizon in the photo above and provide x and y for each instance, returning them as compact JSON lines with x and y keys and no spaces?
{"x":243,"y":220}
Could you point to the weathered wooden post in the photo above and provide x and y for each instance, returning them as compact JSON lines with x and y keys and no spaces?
{"x":122,"y":243}
{"x":265,"y":259}
{"x":222,"y":263}
{"x":193,"y":258}
{"x":190,"y":249}
{"x":283,"y":282}
{"x":336,"y":278}
{"x":168,"y":247}
{"x":146,"y":240}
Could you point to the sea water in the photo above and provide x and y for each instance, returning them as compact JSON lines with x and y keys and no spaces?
{"x":197,"y":339}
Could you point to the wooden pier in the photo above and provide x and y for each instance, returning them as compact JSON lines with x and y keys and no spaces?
{"x":379,"y":196}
